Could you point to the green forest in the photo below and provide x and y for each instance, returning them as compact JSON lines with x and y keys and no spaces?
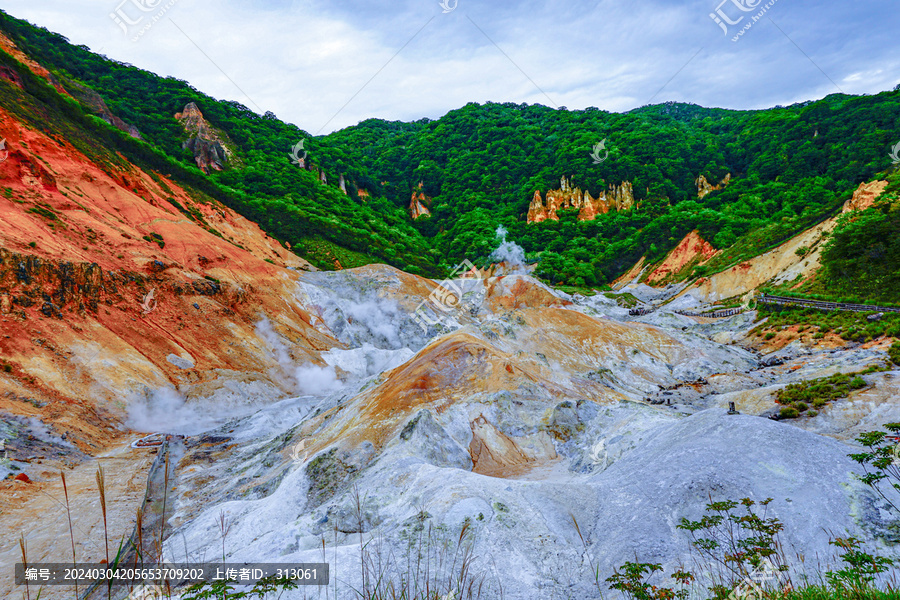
{"x":791,"y":168}
{"x":480,"y":165}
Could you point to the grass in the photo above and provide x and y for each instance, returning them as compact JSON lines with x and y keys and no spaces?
{"x":328,"y":256}
{"x":625,"y":300}
{"x":45,"y":212}
{"x":849,"y":326}
{"x":797,"y":398}
{"x":584,"y":291}
{"x":157,"y":239}
{"x":816,"y":592}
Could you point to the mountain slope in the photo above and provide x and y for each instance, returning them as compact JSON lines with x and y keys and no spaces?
{"x":780,"y":170}
{"x":115,"y":280}
{"x":260,"y":179}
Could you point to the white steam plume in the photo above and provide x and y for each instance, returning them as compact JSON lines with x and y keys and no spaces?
{"x":306,"y":380}
{"x":508,"y":252}
{"x":166,"y":411}
{"x":379,"y":317}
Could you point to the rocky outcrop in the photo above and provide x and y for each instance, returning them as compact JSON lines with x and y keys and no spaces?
{"x":795,"y":260}
{"x":419,"y":203}
{"x":204,"y":141}
{"x":8,"y":46}
{"x":95,"y":102}
{"x":343,"y":185}
{"x":705,"y":188}
{"x":519,"y":419}
{"x":692,"y":250}
{"x":865,"y":196}
{"x":11,"y":75}
{"x":28,"y":280}
{"x":616,"y":198}
{"x":363,"y":194}
{"x":59,"y":287}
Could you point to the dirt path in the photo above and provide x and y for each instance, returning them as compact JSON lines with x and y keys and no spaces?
{"x":38,"y":511}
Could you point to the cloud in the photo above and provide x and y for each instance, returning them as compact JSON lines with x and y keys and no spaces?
{"x":326,"y":65}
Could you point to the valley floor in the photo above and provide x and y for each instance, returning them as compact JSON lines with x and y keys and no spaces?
{"x":544,"y":436}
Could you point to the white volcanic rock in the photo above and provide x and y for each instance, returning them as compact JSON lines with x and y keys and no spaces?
{"x":524,"y":419}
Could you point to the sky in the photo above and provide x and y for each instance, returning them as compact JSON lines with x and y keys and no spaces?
{"x":324,"y":65}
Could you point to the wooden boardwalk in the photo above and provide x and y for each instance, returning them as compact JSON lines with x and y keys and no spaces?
{"x":841,"y":306}
{"x":774,"y":301}
{"x":716,"y":314}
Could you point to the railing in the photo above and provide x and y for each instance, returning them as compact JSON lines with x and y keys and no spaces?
{"x":817,"y":304}
{"x":716,"y":314}
{"x":639,"y":312}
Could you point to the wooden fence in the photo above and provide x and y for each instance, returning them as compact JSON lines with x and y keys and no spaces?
{"x":842,"y":306}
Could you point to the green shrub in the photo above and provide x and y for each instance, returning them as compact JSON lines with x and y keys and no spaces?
{"x":45,"y":212}
{"x":894,"y":353}
{"x":633,"y":580}
{"x":769,"y":335}
{"x":856,"y":578}
{"x":819,"y":392}
{"x":789,"y":412}
{"x":156,"y":239}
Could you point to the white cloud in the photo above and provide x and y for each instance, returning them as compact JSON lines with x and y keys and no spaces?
{"x":305,"y":60}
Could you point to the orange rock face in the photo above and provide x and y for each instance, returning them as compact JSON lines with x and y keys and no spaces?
{"x":692,"y":248}
{"x":617,"y":197}
{"x":419,"y":203}
{"x":865,"y":196}
{"x":705,"y":188}
{"x":80,"y":250}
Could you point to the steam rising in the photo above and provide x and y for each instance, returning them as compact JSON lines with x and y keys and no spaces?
{"x":166,"y":411}
{"x":379,"y":317}
{"x":508,"y":252}
{"x":306,"y":380}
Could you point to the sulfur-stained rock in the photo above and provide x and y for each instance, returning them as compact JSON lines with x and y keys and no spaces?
{"x":208,"y":144}
{"x":616,"y":198}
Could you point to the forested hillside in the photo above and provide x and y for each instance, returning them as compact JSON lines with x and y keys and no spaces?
{"x":480,"y":166}
{"x":862,"y":257}
{"x":320,"y":221}
{"x":790,"y":168}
